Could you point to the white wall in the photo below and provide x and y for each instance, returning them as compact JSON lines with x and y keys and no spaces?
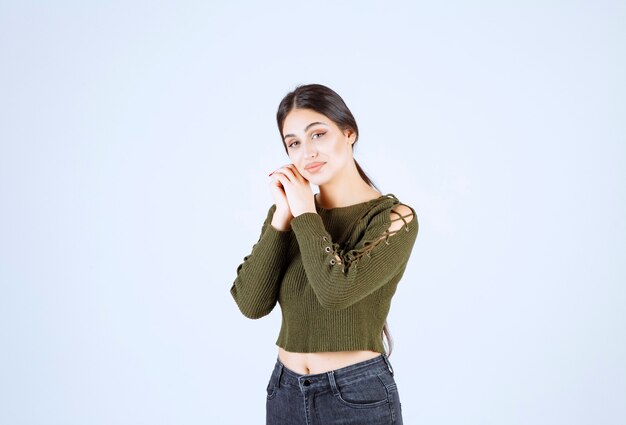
{"x":136,"y":139}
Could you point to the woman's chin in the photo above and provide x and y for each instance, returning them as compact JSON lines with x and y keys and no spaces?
{"x":317,"y":180}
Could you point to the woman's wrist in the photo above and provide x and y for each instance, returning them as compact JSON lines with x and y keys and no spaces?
{"x":281,"y":221}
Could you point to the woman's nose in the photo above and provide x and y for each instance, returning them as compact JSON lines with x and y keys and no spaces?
{"x":310,"y":149}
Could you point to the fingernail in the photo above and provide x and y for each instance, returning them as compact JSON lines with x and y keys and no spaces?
{"x":270,"y":173}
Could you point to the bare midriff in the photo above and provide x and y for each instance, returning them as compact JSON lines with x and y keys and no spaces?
{"x":312,"y":363}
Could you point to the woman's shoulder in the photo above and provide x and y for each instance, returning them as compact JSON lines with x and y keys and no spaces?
{"x":390,"y":213}
{"x":387,"y":221}
{"x":390,"y":203}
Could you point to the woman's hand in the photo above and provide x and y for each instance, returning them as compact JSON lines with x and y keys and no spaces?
{"x":294,"y":189}
{"x":282,"y":216}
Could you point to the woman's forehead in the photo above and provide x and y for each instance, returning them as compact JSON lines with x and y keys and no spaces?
{"x":301,"y":120}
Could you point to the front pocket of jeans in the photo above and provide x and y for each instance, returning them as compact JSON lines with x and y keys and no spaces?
{"x":271,"y":387}
{"x":271,"y":391}
{"x":366,"y":392}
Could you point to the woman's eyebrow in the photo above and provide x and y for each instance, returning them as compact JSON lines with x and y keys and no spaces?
{"x":305,"y":129}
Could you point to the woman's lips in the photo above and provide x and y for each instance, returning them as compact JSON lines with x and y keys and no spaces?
{"x":315,"y":168}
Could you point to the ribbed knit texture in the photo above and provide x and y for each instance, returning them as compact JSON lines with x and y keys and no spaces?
{"x":333,"y":273}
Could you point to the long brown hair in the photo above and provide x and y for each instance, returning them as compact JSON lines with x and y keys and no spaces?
{"x":327,"y":102}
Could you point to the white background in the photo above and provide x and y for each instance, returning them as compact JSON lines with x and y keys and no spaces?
{"x":136,"y":139}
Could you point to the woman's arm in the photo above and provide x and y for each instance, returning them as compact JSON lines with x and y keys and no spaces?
{"x":341,"y":279}
{"x":255,"y":290}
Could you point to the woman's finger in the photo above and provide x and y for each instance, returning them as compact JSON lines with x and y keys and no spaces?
{"x":288,"y":172}
{"x":281,"y":178}
{"x":296,"y":172}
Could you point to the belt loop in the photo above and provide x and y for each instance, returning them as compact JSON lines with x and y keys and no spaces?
{"x":333,"y":383}
{"x":388,"y":363}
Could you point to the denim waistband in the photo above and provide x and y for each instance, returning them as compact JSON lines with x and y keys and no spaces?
{"x":376,"y":365}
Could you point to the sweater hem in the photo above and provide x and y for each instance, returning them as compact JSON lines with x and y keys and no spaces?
{"x":296,"y":348}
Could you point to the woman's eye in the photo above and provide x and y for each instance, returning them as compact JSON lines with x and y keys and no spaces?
{"x":313,"y":136}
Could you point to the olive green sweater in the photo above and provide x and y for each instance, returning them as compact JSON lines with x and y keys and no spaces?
{"x":333,"y":273}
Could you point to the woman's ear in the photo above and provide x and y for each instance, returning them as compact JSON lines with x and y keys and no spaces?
{"x":350,"y":135}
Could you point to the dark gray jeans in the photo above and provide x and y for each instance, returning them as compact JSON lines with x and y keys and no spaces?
{"x":362,"y":393}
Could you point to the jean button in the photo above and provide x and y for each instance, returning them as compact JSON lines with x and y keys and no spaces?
{"x":306,"y":383}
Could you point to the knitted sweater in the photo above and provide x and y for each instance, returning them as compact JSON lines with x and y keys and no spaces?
{"x":333,"y":273}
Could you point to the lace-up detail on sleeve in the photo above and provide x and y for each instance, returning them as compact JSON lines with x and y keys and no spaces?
{"x":341,"y":276}
{"x":333,"y":249}
{"x":404,"y":214}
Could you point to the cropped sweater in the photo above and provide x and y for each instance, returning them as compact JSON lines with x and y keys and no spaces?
{"x":333,"y":273}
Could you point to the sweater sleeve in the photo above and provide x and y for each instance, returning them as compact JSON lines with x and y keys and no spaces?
{"x":255,"y":289}
{"x":341,"y":278}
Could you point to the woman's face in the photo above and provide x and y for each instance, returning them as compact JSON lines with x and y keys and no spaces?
{"x":312,"y":138}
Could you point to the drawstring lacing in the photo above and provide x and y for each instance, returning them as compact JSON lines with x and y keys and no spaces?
{"x":353,"y":256}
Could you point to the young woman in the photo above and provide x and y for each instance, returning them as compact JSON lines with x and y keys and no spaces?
{"x":332,"y":260}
